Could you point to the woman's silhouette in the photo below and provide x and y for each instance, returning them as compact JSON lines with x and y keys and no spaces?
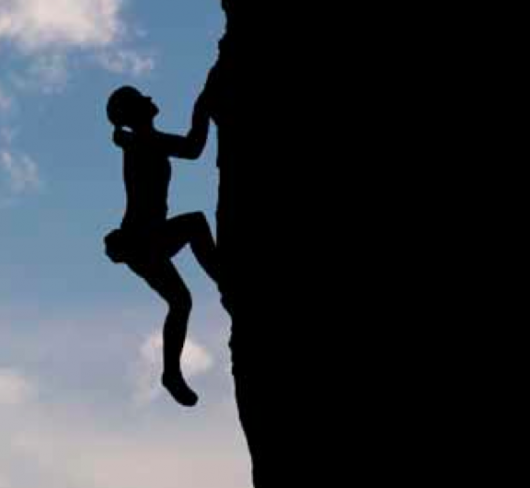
{"x":147,"y":240}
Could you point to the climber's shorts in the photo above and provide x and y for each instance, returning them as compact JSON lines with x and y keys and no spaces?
{"x":125,"y":246}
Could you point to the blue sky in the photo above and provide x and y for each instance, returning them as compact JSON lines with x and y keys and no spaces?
{"x":80,"y":405}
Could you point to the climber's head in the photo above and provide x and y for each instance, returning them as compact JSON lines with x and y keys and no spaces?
{"x":128,"y":107}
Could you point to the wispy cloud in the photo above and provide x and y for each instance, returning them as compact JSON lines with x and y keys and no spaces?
{"x":47,"y":74}
{"x":38,"y":25}
{"x":57,"y":447}
{"x":48,"y":31}
{"x":45,"y":39}
{"x":21,"y":171}
{"x":126,"y":61}
{"x":15,"y":388}
{"x":71,"y":401}
{"x":3,"y":482}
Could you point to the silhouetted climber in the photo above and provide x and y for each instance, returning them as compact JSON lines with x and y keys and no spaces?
{"x":147,"y":240}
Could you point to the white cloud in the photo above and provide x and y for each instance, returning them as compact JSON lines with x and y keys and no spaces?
{"x":48,"y":32}
{"x":49,"y":36}
{"x":37,"y":25}
{"x":3,"y":482}
{"x":46,"y":38}
{"x":196,"y":360}
{"x":99,"y":456}
{"x":15,"y":389}
{"x":21,"y":170}
{"x":83,"y":414}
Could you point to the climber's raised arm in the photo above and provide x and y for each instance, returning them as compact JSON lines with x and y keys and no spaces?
{"x":192,"y":145}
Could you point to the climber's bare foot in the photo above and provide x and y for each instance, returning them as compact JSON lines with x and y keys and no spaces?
{"x":180,"y":391}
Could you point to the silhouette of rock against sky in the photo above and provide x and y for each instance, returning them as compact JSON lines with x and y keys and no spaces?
{"x":330,"y":183}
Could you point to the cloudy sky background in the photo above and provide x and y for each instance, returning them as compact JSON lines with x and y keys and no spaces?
{"x":80,"y":345}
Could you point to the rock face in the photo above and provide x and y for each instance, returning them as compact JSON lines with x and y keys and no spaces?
{"x":224,"y":78}
{"x":240,"y":241}
{"x":284,"y":155}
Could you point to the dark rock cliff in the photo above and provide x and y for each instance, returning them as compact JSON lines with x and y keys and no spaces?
{"x":245,"y":237}
{"x":336,"y":233}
